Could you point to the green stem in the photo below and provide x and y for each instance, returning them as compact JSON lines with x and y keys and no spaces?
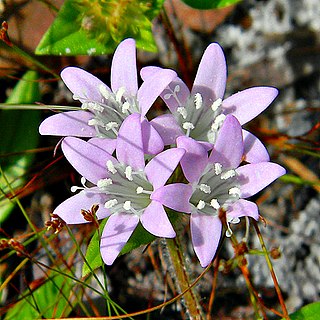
{"x":182,"y":278}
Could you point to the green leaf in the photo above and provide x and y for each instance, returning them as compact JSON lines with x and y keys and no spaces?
{"x":92,"y":27}
{"x":139,"y":237}
{"x":308,"y":312}
{"x":209,"y":4}
{"x":48,"y":301}
{"x":18,"y":132}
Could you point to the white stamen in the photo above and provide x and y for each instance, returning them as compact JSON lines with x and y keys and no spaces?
{"x":187,"y":126}
{"x":128,"y":173}
{"x":228,"y":174}
{"x":233,"y":220}
{"x":120,"y":93}
{"x":127,"y":205}
{"x":111,"y":125}
{"x":235,"y":191}
{"x":139,"y":190}
{"x":176,"y":88}
{"x":104,"y":91}
{"x":217,"y":168}
{"x":111,"y":168}
{"x":205,"y":188}
{"x":103,"y":183}
{"x":167,"y":96}
{"x":229,"y":232}
{"x":75,"y":188}
{"x":216,"y":104}
{"x":111,"y":203}
{"x":83,"y":181}
{"x":215,"y":204}
{"x":198,"y":100}
{"x":201,"y":204}
{"x":183,"y":112}
{"x":125,"y":107}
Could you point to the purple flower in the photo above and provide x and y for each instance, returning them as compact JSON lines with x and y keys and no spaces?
{"x":200,"y":113}
{"x":217,"y":182}
{"x":103,"y":109}
{"x":126,"y":189}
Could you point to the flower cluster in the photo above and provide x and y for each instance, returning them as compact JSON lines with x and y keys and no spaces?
{"x":125,"y":171}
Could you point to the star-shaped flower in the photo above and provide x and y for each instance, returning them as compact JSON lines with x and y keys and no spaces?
{"x":103,"y":109}
{"x":200,"y":113}
{"x":126,"y":189}
{"x":218,"y":182}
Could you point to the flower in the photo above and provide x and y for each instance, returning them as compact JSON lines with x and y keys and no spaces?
{"x":126,"y":189}
{"x":103,"y":109}
{"x":219,"y":184}
{"x":200,"y":113}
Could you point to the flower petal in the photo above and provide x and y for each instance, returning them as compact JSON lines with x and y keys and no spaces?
{"x":160,"y":168}
{"x":254,"y":150}
{"x":175,"y":196}
{"x":71,"y":123}
{"x":88,"y":159}
{"x":129,"y":148}
{"x":195,"y":159}
{"x":124,"y":68}
{"x":106,"y":144}
{"x":212,"y":73}
{"x":247,"y":104}
{"x":205,"y":233}
{"x":152,"y":141}
{"x":256,"y":176}
{"x":168,"y":128}
{"x":83,"y":84}
{"x":151,"y":89}
{"x":115,"y":235}
{"x":243,"y":208}
{"x":154,"y":219}
{"x":70,"y":209}
{"x":228,"y":149}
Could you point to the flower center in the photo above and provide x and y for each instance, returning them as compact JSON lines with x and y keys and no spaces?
{"x":217,"y":188}
{"x":110,"y":112}
{"x":199,"y":120}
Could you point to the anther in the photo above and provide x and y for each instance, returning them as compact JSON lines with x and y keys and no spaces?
{"x":215,"y":204}
{"x":235,"y":191}
{"x":227,"y":174}
{"x":111,"y":203}
{"x":216,"y":104}
{"x":104,"y":91}
{"x":111,"y":125}
{"x":103,"y":183}
{"x":125,"y":107}
{"x":128,"y":173}
{"x":217,"y":168}
{"x":139,"y":190}
{"x":120,"y":93}
{"x":201,"y":204}
{"x":183,"y":112}
{"x":198,"y":101}
{"x":127,"y":205}
{"x":205,"y":188}
{"x":111,"y":168}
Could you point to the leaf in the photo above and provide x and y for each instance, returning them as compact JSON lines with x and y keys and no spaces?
{"x":90,"y":27}
{"x":139,"y":237}
{"x":209,"y":4}
{"x":18,"y":132}
{"x":308,"y":312}
{"x":50,"y":300}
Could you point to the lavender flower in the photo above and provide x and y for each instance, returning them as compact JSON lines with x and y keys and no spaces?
{"x":103,"y":109}
{"x":217,"y":182}
{"x":126,"y":189}
{"x":200,"y":113}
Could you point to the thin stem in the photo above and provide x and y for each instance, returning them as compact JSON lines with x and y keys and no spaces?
{"x":273,"y":275}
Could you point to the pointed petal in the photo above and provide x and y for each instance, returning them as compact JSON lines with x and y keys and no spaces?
{"x":247,"y":104}
{"x":195,"y":160}
{"x":115,"y":235}
{"x":88,"y":159}
{"x":168,"y":128}
{"x":71,"y":123}
{"x":228,"y":149}
{"x":160,"y":168}
{"x":82,"y":84}
{"x":243,"y":208}
{"x":256,"y":176}
{"x":205,"y":233}
{"x":175,"y":95}
{"x":154,"y":219}
{"x":151,"y":89}
{"x":124,"y":68}
{"x":70,"y":209}
{"x":152,"y":141}
{"x":129,"y":148}
{"x":106,"y":144}
{"x":175,"y":196}
{"x":254,"y":150}
{"x":212,"y":73}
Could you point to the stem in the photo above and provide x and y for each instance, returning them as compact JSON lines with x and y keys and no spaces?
{"x":273,"y":275}
{"x":182,"y":278}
